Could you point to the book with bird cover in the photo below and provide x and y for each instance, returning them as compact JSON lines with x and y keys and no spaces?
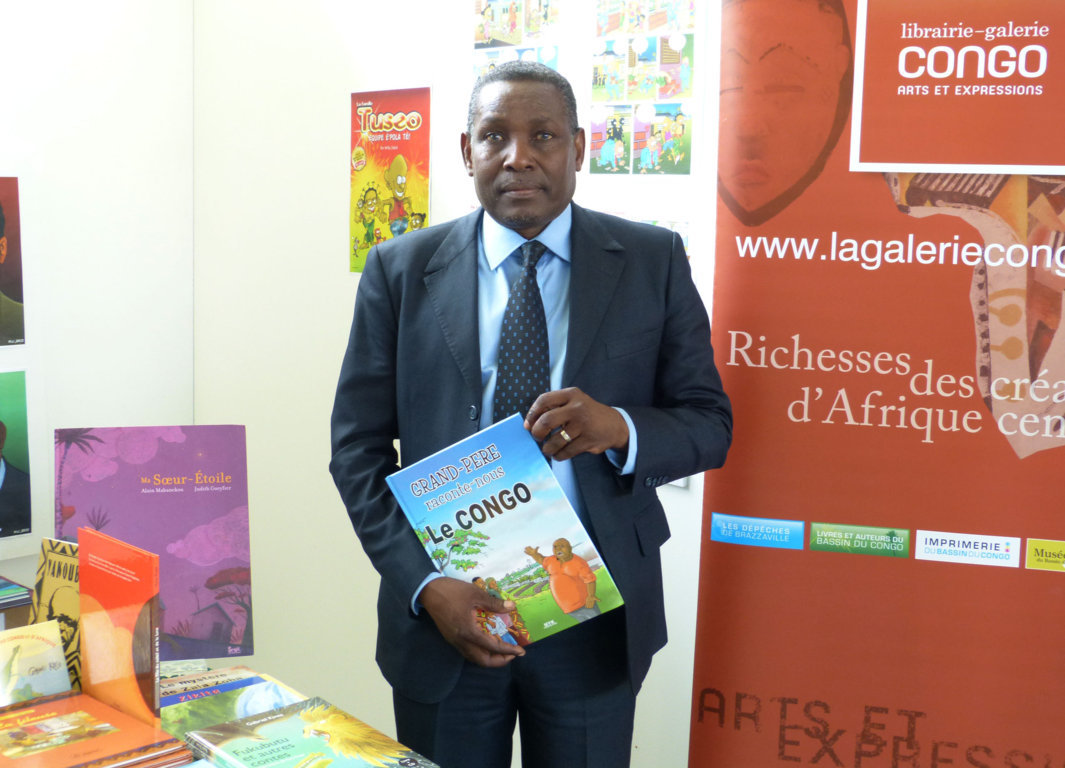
{"x":306,"y":734}
{"x":483,"y":508}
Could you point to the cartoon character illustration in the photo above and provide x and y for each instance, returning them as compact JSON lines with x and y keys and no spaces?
{"x":509,"y":627}
{"x":649,"y":160}
{"x":612,"y":150}
{"x":417,"y":220}
{"x":396,"y":211}
{"x":676,"y":132}
{"x":571,"y":579}
{"x":367,"y":212}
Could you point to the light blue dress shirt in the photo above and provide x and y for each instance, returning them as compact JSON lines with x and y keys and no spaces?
{"x":498,"y":266}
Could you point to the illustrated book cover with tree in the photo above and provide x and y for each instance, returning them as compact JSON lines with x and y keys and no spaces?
{"x":182,"y":493}
{"x":56,"y":596}
{"x":119,"y":624}
{"x":488,"y":509}
{"x":219,"y":703}
{"x":307,"y":734}
{"x":71,"y":730}
{"x":32,"y":662}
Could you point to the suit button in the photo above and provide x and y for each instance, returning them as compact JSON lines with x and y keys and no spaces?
{"x":474,"y":413}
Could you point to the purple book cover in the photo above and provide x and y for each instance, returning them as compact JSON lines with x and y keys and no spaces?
{"x":182,"y":493}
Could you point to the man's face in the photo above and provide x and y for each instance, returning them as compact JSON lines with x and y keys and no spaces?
{"x":522,"y":154}
{"x":781,"y":68}
{"x":563,"y":551}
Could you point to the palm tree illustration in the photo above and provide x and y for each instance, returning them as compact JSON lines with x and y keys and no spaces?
{"x":82,"y":439}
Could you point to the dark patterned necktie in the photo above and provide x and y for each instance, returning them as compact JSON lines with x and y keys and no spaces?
{"x":523,"y":366}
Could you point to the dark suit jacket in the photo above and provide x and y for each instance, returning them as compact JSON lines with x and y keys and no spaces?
{"x":639,"y":339}
{"x":14,"y":502}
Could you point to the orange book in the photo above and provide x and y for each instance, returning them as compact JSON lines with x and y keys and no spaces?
{"x":119,"y":624}
{"x":73,"y":730}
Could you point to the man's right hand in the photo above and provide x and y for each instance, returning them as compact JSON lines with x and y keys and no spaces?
{"x":452,"y":604}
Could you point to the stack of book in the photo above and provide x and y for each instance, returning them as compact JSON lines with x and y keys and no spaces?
{"x":216,"y":696}
{"x":236,"y":717}
{"x":69,"y":730}
{"x":15,"y":602}
{"x":80,"y":684}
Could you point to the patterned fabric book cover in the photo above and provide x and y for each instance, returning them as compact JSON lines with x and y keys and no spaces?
{"x":182,"y":493}
{"x":488,"y":509}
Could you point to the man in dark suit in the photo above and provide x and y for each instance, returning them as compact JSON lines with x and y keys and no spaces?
{"x":634,"y":401}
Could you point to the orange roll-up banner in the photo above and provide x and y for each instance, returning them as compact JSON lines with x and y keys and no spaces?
{"x":883,"y":569}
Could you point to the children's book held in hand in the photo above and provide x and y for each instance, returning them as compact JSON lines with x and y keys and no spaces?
{"x":488,"y":509}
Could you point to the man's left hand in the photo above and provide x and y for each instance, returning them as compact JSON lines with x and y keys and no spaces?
{"x":567,"y":422}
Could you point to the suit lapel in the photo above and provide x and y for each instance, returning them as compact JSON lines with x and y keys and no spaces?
{"x":596,"y":266}
{"x":451,"y":282}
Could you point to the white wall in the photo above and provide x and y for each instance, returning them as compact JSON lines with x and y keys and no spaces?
{"x":96,"y":123}
{"x":144,"y":133}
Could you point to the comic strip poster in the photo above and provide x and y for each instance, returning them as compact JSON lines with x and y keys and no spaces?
{"x":883,"y":553}
{"x":389,"y":167}
{"x":642,"y":64}
{"x":12,"y":327}
{"x":515,"y":30}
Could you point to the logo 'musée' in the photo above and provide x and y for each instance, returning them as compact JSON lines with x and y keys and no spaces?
{"x":1045,"y":555}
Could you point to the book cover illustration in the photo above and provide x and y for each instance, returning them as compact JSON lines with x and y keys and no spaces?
{"x":307,"y":734}
{"x":488,"y":509}
{"x":389,"y":167}
{"x":56,"y":595}
{"x":32,"y":662}
{"x":182,"y":493}
{"x":119,"y":624}
{"x":191,"y":710}
{"x":73,"y":730}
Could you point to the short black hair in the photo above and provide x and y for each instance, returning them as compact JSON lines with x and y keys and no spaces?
{"x":530,"y":71}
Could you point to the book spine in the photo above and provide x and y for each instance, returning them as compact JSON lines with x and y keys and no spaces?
{"x":156,"y":616}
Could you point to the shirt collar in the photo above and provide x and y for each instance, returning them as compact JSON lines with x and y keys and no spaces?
{"x":499,"y":241}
